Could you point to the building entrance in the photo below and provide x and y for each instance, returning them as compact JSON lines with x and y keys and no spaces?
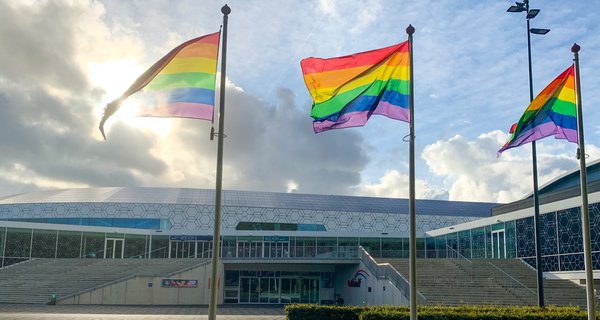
{"x":113,"y":248}
{"x":278,"y":290}
{"x":190,"y":249}
{"x":499,"y":244}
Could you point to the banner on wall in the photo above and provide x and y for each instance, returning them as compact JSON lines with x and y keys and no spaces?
{"x":358,"y":276}
{"x":178,"y":283}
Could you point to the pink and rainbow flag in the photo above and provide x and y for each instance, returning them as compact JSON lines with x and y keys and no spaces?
{"x":179,"y":85}
{"x":552,"y":113}
{"x":347,"y":90}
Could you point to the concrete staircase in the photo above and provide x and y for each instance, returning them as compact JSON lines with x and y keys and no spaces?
{"x":556,"y":291}
{"x":486,"y":282}
{"x":35,"y":281}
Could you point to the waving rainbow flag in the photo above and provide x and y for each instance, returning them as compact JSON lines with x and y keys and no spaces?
{"x":552,"y":113}
{"x":347,"y":90}
{"x":180,"y":85}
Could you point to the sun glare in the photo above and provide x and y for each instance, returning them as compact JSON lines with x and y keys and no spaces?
{"x":114,"y":77}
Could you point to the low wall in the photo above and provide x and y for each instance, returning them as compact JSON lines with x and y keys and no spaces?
{"x":147,"y":290}
{"x":372,"y":291}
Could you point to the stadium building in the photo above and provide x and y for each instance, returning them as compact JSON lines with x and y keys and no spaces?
{"x":153,"y":245}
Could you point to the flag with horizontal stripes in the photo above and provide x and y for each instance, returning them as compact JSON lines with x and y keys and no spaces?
{"x":179,"y":85}
{"x":552,"y":113}
{"x":347,"y":90}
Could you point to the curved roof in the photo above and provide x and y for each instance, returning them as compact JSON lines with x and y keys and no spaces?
{"x":571,"y":179}
{"x":253,"y":199}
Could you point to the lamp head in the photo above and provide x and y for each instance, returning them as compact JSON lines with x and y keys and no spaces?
{"x":519,"y":7}
{"x":539,"y":31}
{"x":532,"y":13}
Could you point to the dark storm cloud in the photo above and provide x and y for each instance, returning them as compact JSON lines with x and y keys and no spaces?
{"x":267,"y":146}
{"x":47,"y":127}
{"x":37,"y":44}
{"x":50,"y":137}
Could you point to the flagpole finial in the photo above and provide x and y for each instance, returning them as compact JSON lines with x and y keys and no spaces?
{"x":410,"y":29}
{"x":575,"y":48}
{"x":225,"y":10}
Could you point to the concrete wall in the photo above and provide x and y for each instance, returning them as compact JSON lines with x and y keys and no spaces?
{"x":382,"y":291}
{"x":148,"y":291}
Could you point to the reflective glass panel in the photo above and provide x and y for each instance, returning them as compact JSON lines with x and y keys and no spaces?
{"x":44,"y":244}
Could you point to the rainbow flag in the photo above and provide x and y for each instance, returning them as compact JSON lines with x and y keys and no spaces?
{"x":347,"y":90}
{"x":180,"y":85}
{"x":552,"y":113}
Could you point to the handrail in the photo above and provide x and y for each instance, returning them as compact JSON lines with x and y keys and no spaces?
{"x":458,"y":254}
{"x":512,"y":278}
{"x":189,"y":268}
{"x":149,"y":253}
{"x":462,"y":262}
{"x":387,"y":271}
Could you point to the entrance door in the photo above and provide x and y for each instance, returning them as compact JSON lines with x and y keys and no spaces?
{"x":182,"y":249}
{"x":309,"y":291}
{"x":498,"y":244}
{"x":249,"y":290}
{"x":204,"y":249}
{"x":114,"y":248}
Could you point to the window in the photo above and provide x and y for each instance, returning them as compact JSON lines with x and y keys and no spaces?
{"x":269,"y":226}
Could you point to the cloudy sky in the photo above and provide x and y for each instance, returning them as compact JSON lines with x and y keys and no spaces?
{"x":62,"y":61}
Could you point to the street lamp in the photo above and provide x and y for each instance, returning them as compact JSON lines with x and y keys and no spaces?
{"x":531,"y":13}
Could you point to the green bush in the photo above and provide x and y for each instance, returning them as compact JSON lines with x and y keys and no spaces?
{"x":318,"y":312}
{"x":322,"y":312}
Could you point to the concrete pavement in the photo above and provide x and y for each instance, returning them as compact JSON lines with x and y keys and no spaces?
{"x":104,"y":312}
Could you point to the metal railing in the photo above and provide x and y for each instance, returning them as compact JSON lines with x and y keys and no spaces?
{"x":461,"y":261}
{"x":296,"y":254}
{"x":387,"y":271}
{"x":508,"y":280}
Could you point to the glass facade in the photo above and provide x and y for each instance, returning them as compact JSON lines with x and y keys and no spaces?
{"x":268,"y":226}
{"x":560,"y":231}
{"x":134,"y":223}
{"x":19,"y":244}
{"x":560,"y":239}
{"x":262,"y":287}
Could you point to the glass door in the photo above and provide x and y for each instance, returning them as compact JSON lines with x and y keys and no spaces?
{"x":498,"y":244}
{"x":273,"y":290}
{"x":182,"y":249}
{"x":264,"y":290}
{"x":204,"y":249}
{"x":249,"y":290}
{"x":286,"y":290}
{"x":114,"y":248}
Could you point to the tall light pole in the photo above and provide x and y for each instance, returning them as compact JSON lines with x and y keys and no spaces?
{"x":530,"y":14}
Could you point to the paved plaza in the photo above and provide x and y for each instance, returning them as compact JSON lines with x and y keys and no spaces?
{"x":103,"y":312}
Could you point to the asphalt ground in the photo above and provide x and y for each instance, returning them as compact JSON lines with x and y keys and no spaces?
{"x":104,"y":312}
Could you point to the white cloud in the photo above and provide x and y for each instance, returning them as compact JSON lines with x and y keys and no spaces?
{"x":292,"y":186}
{"x":394,"y":184}
{"x":472,"y":172}
{"x":49,"y":115}
{"x":327,"y":6}
{"x":368,"y":13}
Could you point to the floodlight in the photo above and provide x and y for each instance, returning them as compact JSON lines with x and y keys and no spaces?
{"x":532,"y":13}
{"x":539,"y":31}
{"x":520,"y":7}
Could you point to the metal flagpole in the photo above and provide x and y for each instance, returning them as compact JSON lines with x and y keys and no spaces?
{"x":585,"y":210}
{"x":213,"y":282}
{"x":411,"y":186}
{"x":536,"y":192}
